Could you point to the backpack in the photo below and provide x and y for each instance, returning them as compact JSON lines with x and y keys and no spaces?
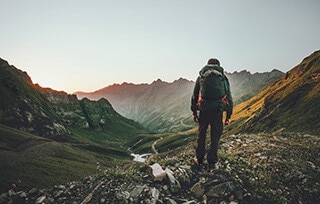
{"x":214,"y":86}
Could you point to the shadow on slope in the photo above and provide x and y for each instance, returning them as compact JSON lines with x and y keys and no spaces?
{"x":40,"y":162}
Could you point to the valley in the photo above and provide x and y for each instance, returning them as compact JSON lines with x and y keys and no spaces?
{"x":56,"y":148}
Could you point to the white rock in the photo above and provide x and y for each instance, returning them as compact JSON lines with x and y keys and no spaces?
{"x":172,"y":179}
{"x":157,"y":172}
{"x":41,"y":199}
{"x":155,"y":193}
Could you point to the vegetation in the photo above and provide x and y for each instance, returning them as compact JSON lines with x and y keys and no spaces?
{"x":49,"y":137}
{"x":41,"y":162}
{"x":291,"y":103}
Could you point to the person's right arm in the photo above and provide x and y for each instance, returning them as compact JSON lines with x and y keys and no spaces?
{"x":194,"y":100}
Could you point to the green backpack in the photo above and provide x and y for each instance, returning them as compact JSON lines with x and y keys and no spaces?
{"x":214,"y":86}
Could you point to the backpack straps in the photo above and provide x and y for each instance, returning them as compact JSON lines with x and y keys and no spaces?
{"x":223,"y":100}
{"x":210,"y":71}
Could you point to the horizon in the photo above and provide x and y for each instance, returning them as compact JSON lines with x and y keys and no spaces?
{"x":83,"y":46}
{"x":177,"y":79}
{"x":127,"y":82}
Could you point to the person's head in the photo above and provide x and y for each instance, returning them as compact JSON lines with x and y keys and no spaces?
{"x":214,"y":61}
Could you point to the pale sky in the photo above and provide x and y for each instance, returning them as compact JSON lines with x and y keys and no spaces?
{"x":85,"y":45}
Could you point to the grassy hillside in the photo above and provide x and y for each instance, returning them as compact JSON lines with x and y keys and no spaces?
{"x":40,"y":162}
{"x":49,"y":137}
{"x":291,"y":103}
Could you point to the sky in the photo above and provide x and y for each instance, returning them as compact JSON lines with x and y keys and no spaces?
{"x":85,"y":45}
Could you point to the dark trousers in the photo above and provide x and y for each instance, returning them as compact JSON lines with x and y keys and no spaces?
{"x":214,"y":119}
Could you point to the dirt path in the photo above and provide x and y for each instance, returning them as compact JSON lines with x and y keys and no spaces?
{"x":154,"y":144}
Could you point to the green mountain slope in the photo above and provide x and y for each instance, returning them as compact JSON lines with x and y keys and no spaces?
{"x":23,"y":106}
{"x":39,"y":162}
{"x":48,"y":137}
{"x":291,"y":103}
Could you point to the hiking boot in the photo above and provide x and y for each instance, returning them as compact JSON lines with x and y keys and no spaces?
{"x":213,"y":167}
{"x":198,"y":164}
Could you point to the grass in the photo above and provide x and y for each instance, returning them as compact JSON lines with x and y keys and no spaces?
{"x":13,"y":139}
{"x":41,"y":163}
{"x":165,"y":141}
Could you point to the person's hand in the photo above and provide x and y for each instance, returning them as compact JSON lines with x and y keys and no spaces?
{"x":227,"y":122}
{"x":195,"y":118}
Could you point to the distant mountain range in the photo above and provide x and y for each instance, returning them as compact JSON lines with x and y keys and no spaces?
{"x":165,"y":107}
{"x":159,"y":106}
{"x":244,"y":85}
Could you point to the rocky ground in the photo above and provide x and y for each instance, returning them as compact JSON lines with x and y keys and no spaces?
{"x":253,"y":168}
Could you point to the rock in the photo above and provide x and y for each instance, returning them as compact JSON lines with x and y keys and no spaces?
{"x":62,"y":187}
{"x":58,"y":193}
{"x":148,"y":201}
{"x":121,"y":198}
{"x":11,"y":193}
{"x":170,"y":201}
{"x":156,"y":172}
{"x":137,"y":191}
{"x":155,"y":193}
{"x":41,"y":199}
{"x":33,"y":191}
{"x":23,"y":195}
{"x":197,"y":189}
{"x":172,"y":179}
{"x":220,"y":189}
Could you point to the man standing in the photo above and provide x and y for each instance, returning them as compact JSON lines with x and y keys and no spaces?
{"x":211,"y":96}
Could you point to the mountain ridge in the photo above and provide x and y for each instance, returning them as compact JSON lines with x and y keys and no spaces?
{"x":165,"y":106}
{"x":292,"y":102}
{"x":31,"y":106}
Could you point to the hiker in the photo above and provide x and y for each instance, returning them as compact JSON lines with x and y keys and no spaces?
{"x":211,"y":96}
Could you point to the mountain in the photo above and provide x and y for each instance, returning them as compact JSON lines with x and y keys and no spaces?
{"x":22,"y":106}
{"x":159,"y":106}
{"x":48,"y":132}
{"x":49,"y":113}
{"x":245,"y":85}
{"x":291,"y":103}
{"x":165,"y":107}
{"x":89,"y":162}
